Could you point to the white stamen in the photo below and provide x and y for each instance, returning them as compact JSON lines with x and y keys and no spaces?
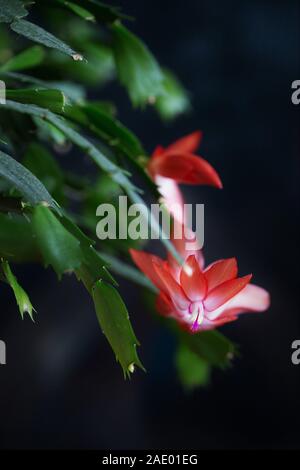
{"x":197,"y":313}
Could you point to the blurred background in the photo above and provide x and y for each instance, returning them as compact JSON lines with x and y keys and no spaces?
{"x":61,"y":387}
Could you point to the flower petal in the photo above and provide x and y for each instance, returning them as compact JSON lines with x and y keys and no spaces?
{"x":211,"y":325}
{"x":224,"y":292}
{"x":180,"y":244}
{"x":188,"y":143}
{"x":172,"y":196}
{"x":164,"y":304}
{"x":184,"y":168}
{"x":174,"y":290}
{"x":220,"y":271}
{"x":192,"y":279}
{"x":157,"y":151}
{"x":144,"y":262}
{"x":251,"y":298}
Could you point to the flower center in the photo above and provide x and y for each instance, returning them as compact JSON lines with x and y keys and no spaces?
{"x":197,"y":314}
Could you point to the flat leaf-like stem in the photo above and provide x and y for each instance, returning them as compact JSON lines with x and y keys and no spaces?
{"x":115,"y":172}
{"x":114,"y":321}
{"x":27,"y":184}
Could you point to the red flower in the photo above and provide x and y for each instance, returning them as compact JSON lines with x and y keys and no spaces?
{"x":200,"y":298}
{"x":179,"y":163}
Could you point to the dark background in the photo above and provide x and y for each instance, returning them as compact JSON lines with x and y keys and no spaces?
{"x":61,"y":387}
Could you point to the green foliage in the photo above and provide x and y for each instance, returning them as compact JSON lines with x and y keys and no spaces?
{"x":24,"y":181}
{"x":128,"y":272}
{"x":37,"y":34}
{"x":211,"y":346}
{"x":82,"y":12}
{"x":174,"y":100}
{"x":92,"y":262}
{"x":21,"y":296}
{"x":48,"y":118}
{"x":54,"y":100}
{"x":111,"y":130}
{"x":102,"y":11}
{"x":43,"y":165}
{"x":17,"y":241}
{"x":114,"y":322}
{"x":27,"y":59}
{"x":137,"y":69}
{"x":59,"y":248}
{"x":11,"y":10}
{"x":97,"y":119}
{"x":193,"y":371}
{"x":116,"y":173}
